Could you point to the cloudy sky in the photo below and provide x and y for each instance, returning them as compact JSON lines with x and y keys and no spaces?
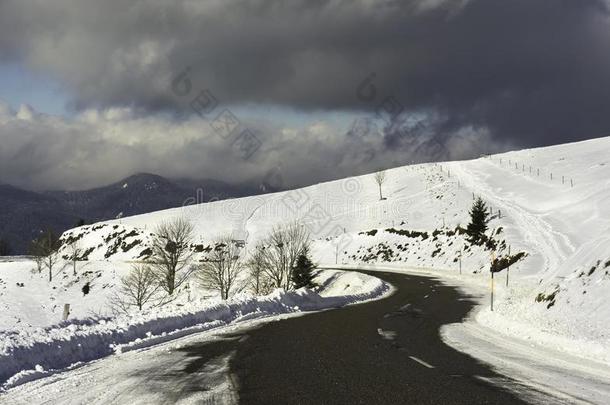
{"x":93,"y":91}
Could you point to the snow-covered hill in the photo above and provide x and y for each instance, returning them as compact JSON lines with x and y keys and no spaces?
{"x":551,"y":203}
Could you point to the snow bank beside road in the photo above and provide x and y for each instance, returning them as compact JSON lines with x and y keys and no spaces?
{"x":28,"y":354}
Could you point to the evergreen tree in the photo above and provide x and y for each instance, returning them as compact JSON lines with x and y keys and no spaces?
{"x":302,"y":274}
{"x":479,"y":217}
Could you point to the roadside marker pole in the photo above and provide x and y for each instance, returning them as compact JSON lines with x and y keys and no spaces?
{"x":492,"y":290}
{"x":337,"y":253}
{"x":493,"y":257}
{"x":508,"y":268}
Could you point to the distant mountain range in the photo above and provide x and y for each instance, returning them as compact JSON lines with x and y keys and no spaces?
{"x":24,"y":214}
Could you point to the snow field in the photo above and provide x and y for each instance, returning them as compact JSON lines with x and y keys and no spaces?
{"x":557,"y":294}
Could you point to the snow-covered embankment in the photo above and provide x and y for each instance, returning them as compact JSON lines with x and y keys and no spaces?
{"x":34,"y":353}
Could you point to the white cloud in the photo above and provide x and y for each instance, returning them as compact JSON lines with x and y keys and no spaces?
{"x":97,"y":147}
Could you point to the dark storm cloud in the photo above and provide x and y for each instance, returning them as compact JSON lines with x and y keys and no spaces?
{"x":524,"y":72}
{"x":537,"y":70}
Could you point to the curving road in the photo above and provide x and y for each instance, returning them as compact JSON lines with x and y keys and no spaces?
{"x":381,"y":352}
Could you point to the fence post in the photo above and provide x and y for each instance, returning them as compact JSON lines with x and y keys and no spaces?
{"x":66,"y":311}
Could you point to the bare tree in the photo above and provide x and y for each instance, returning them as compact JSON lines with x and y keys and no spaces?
{"x":259,"y":282}
{"x":74,"y":250}
{"x":137,"y":288}
{"x":222,"y":267}
{"x":45,"y":248}
{"x":279,"y":253}
{"x":380,"y":178}
{"x":36,"y":253}
{"x":172,"y":254}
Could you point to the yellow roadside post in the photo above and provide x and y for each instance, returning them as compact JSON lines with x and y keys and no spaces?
{"x":493,"y":258}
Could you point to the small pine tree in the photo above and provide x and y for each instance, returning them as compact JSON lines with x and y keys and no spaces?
{"x":479,"y":218}
{"x":302,"y":274}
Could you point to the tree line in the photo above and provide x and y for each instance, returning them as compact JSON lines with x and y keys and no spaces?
{"x":280,"y":260}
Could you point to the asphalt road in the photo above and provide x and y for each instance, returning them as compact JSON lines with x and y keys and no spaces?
{"x":382,"y":352}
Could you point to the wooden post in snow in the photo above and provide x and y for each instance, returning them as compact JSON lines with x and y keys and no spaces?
{"x":66,"y":311}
